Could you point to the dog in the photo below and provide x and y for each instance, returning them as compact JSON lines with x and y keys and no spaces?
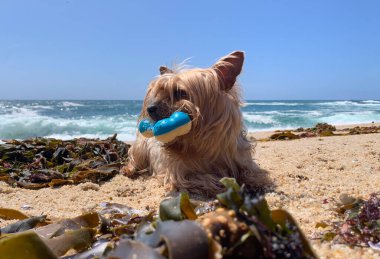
{"x":216,"y":145}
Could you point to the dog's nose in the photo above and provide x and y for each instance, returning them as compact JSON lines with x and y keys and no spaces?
{"x":152,"y":109}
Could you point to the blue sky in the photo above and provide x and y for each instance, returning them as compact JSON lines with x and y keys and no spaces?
{"x":93,"y":49}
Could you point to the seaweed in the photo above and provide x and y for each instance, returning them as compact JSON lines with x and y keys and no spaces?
{"x":321,"y":130}
{"x":22,"y":225}
{"x":359,"y":222}
{"x":239,"y":224}
{"x":46,"y":162}
{"x":178,"y":208}
{"x":364,"y":130}
{"x":256,"y":231}
{"x":284,"y":135}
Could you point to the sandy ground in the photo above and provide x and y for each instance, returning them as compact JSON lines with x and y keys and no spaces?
{"x":305,"y":172}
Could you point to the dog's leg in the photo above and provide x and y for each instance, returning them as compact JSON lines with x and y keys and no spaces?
{"x":249,"y":172}
{"x":138,"y":156}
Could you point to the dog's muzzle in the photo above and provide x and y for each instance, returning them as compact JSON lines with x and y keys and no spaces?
{"x":154,"y":112}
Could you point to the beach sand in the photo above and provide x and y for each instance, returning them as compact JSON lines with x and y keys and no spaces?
{"x":306,"y":172}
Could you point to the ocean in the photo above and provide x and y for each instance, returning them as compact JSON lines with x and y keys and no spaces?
{"x":101,"y":119}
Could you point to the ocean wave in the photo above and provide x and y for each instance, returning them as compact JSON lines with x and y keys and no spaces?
{"x":26,"y":110}
{"x":273,"y":103}
{"x":350,"y":103}
{"x":120,"y":136}
{"x":372,"y":101}
{"x":260,"y":119}
{"x":26,"y":126}
{"x":336,"y":103}
{"x":71,"y":104}
{"x":313,"y":113}
{"x":22,"y":111}
{"x":286,"y":113}
{"x":265,"y":112}
{"x":44,"y":107}
{"x":345,"y":118}
{"x":101,"y":119}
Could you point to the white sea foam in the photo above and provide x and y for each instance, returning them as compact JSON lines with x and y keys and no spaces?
{"x":269,"y":112}
{"x":71,"y":104}
{"x":350,"y":103}
{"x":41,"y":107}
{"x":287,"y":113}
{"x":25,"y":125}
{"x":260,"y":119}
{"x":273,"y":128}
{"x":313,"y":113}
{"x":120,"y":136}
{"x":351,"y":118}
{"x":273,"y":103}
{"x":23,"y":112}
{"x":372,"y":101}
{"x":336,"y":103}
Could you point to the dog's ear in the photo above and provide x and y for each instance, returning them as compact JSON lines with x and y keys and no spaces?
{"x":165,"y":70}
{"x":228,"y":68}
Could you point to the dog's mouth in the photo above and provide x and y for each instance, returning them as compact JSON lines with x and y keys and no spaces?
{"x":177,"y":141}
{"x":158,"y":111}
{"x":158,"y":116}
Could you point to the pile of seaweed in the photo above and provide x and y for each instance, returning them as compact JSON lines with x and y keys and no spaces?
{"x":322,"y":130}
{"x":284,"y":135}
{"x":238,"y":224}
{"x":359,"y":222}
{"x":363,"y":130}
{"x":319,"y":130}
{"x":42,"y":162}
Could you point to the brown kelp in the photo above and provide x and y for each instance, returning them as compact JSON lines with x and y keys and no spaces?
{"x":364,"y":130}
{"x":238,"y":224}
{"x":321,"y":130}
{"x":43,"y":162}
{"x":284,"y":135}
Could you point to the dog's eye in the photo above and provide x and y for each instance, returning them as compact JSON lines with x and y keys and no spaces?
{"x":179,"y":94}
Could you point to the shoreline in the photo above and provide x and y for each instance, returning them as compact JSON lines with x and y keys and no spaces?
{"x":259,"y":135}
{"x":256,"y":134}
{"x":265,"y":134}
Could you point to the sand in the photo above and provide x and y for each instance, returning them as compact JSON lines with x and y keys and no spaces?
{"x":308,"y":171}
{"x":305,"y":172}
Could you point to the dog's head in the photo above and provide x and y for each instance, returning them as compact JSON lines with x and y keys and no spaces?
{"x":209,"y":96}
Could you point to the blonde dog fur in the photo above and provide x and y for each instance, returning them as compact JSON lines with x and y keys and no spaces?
{"x":216,"y":146}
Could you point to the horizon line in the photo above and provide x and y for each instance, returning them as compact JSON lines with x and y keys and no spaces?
{"x":369,"y":99}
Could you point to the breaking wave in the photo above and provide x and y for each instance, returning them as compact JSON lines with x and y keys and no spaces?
{"x":27,"y":126}
{"x":273,"y":103}
{"x":101,"y":119}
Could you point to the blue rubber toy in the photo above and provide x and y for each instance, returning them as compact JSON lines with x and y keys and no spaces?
{"x":165,"y":130}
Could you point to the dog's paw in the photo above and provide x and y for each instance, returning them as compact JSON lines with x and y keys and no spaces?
{"x":128,"y":170}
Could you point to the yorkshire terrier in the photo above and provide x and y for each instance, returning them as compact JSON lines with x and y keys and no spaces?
{"x":216,"y":145}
